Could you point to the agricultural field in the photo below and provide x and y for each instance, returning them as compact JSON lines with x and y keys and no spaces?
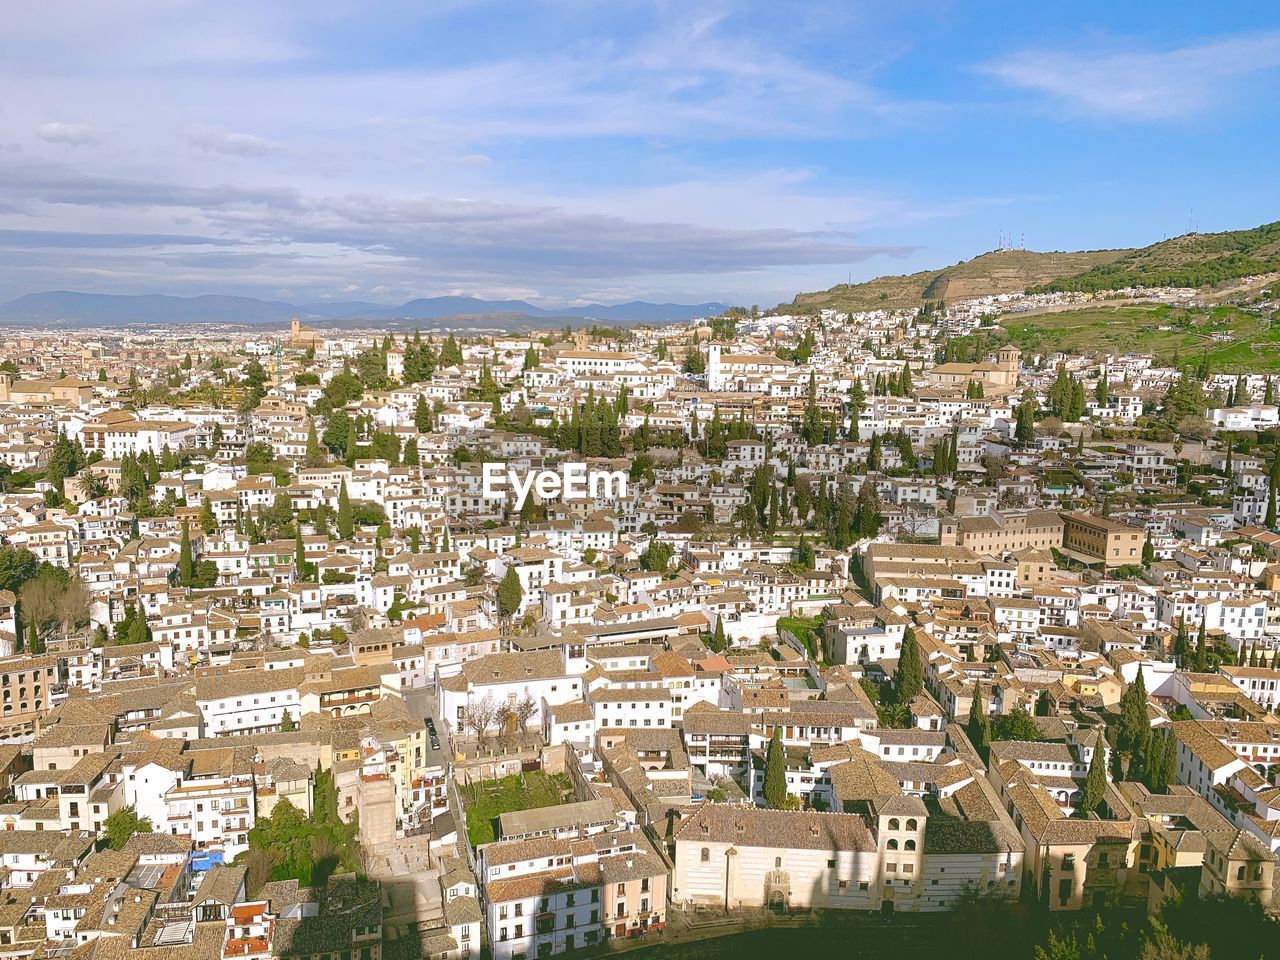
{"x":1236,"y":341}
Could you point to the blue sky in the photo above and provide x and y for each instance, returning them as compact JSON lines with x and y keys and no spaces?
{"x":571,"y":152}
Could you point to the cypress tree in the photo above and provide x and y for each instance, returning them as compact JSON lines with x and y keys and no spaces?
{"x":979,"y":726}
{"x":775,"y":773}
{"x":186,"y":563}
{"x":1169,"y":761}
{"x":1153,"y":764}
{"x":1134,"y":728}
{"x":910,"y":675}
{"x":346,"y":516}
{"x":1095,"y":784}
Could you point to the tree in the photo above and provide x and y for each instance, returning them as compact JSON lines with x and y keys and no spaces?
{"x":208,"y":522}
{"x":775,"y":773}
{"x":338,"y":433}
{"x":287,"y":723}
{"x":910,"y":675}
{"x":978,"y":726}
{"x":718,"y":641}
{"x":1095,"y":783}
{"x":804,"y":553}
{"x":480,"y":716}
{"x":315,"y":455}
{"x":1184,"y":399}
{"x":17,"y":566}
{"x":122,"y":825}
{"x":1134,"y":728}
{"x":510,"y":593}
{"x":346,"y":518}
{"x":1016,"y":725}
{"x":186,"y":562}
{"x":656,"y":556}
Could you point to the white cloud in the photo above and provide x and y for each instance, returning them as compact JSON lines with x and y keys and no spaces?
{"x":72,"y":134}
{"x":218,"y":140}
{"x":1141,"y":85}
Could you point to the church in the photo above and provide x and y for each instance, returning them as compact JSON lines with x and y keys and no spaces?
{"x":998,"y":379}
{"x":302,"y":337}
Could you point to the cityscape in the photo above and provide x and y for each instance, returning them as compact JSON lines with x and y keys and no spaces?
{"x":456,"y":506}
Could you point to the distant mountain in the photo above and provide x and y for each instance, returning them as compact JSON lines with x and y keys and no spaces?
{"x":101,"y":309}
{"x":1191,"y":260}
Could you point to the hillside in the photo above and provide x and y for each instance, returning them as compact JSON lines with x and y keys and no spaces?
{"x":1000,"y":271}
{"x":1192,"y":260}
{"x":1233,"y":340}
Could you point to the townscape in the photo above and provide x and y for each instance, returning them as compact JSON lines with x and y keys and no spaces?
{"x":878,"y":613}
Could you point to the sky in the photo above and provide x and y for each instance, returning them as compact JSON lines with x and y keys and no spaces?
{"x":572,"y":152}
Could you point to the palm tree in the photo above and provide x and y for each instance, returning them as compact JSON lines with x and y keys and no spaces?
{"x":92,"y":486}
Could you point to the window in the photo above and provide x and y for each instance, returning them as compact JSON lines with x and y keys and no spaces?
{"x":777,"y":863}
{"x":893,"y":844}
{"x":909,"y":845}
{"x":911,"y":824}
{"x":894,"y":824}
{"x":706,"y":855}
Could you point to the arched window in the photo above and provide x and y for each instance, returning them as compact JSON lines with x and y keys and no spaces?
{"x":909,"y":845}
{"x":912,"y":825}
{"x":777,"y":863}
{"x":706,"y":855}
{"x":893,"y":844}
{"x":893,"y":824}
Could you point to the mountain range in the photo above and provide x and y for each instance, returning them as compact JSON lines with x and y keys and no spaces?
{"x":103,"y":309}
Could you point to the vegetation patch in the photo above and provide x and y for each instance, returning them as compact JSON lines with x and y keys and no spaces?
{"x":486,"y":800}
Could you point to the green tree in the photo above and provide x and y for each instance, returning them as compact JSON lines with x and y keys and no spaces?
{"x":909,"y":679}
{"x":978,"y":726}
{"x":422,"y":416}
{"x":1134,"y":728}
{"x":1095,"y":783}
{"x":775,"y":773}
{"x":718,"y":640}
{"x":122,"y":825}
{"x":315,"y":452}
{"x":804,"y":553}
{"x":346,"y":516}
{"x":186,"y":562}
{"x":510,"y":593}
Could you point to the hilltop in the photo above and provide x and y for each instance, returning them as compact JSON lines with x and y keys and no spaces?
{"x":1000,"y":271}
{"x":1191,"y":260}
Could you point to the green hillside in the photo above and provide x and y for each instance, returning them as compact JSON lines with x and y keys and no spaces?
{"x":1001,"y":271}
{"x":1192,"y":260}
{"x":1235,"y":340}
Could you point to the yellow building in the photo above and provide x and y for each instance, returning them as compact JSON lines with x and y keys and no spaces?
{"x":998,"y":379}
